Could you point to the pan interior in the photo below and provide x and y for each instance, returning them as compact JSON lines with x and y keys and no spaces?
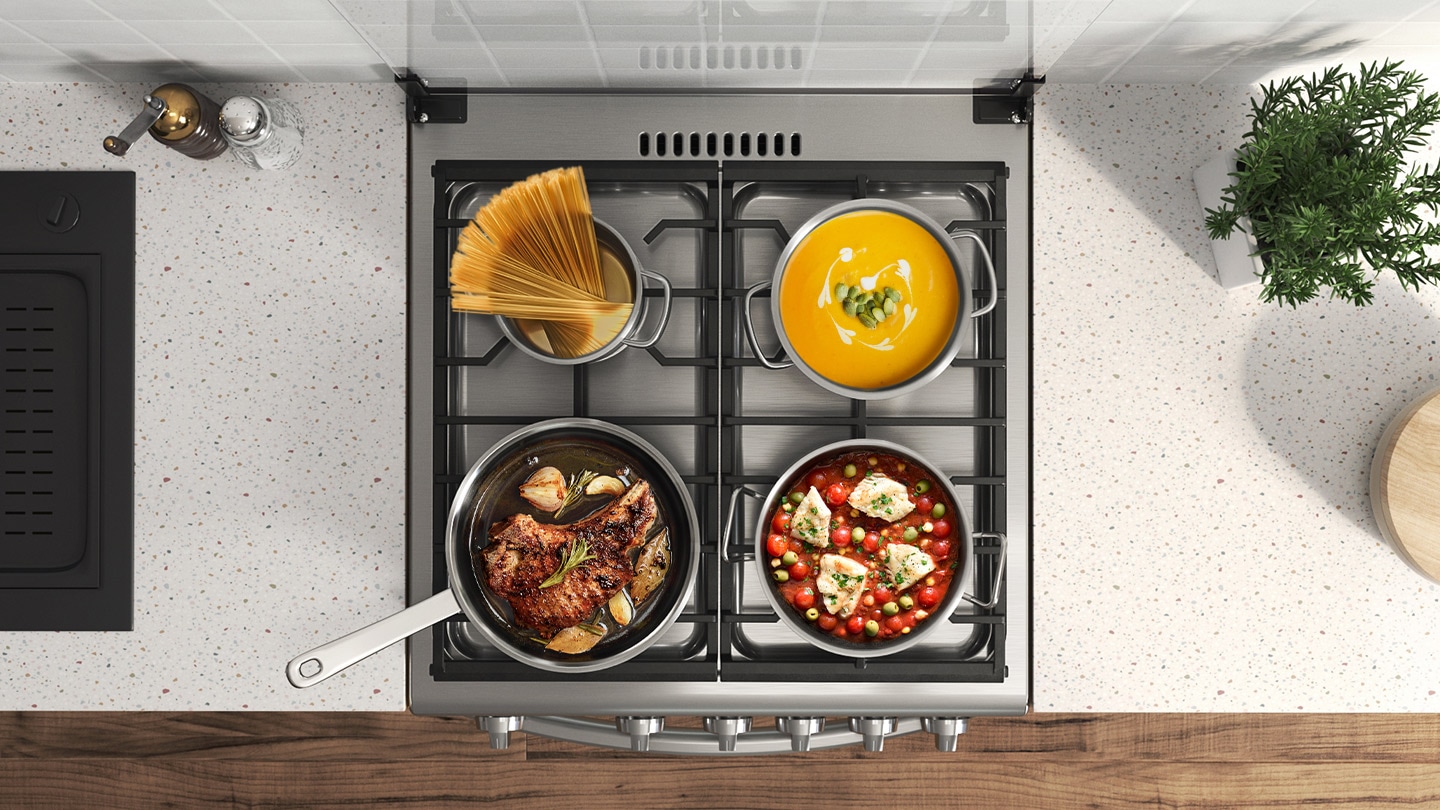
{"x":497,"y":497}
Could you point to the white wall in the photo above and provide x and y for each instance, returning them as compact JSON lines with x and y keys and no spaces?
{"x":706,"y":43}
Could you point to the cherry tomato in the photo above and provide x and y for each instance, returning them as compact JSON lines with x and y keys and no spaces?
{"x":872,"y":542}
{"x":835,"y":494}
{"x":776,"y":545}
{"x":940,"y":549}
{"x":924,"y":504}
{"x":894,"y":623}
{"x":856,"y":624}
{"x":928,"y":597}
{"x":940,"y":528}
{"x":840,"y":536}
{"x":780,"y":524}
{"x":827,"y":622}
{"x":882,"y":595}
{"x":805,"y":598}
{"x":818,"y":480}
{"x":800,"y":570}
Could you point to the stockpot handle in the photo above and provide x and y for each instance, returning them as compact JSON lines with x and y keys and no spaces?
{"x":365,"y":642}
{"x":999,"y":570}
{"x":667,"y":293}
{"x":989,"y":270}
{"x":749,"y":325}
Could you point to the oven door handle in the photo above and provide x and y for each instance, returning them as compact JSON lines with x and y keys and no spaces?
{"x":749,"y":325}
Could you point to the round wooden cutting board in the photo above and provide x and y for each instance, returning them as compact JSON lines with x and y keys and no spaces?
{"x":1405,"y":484}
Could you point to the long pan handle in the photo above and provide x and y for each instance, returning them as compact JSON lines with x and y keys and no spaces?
{"x":328,"y":659}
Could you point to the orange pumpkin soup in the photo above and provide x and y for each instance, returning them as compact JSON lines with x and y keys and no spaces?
{"x":869,"y":299}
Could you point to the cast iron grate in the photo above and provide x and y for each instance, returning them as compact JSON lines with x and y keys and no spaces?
{"x":720,"y":611}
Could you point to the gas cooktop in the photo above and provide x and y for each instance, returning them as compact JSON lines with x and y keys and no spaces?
{"x":708,"y":190}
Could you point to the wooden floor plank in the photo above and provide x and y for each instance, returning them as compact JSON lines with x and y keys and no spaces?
{"x":706,"y":783}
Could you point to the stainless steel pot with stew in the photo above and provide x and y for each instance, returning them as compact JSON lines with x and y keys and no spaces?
{"x":864,"y":548}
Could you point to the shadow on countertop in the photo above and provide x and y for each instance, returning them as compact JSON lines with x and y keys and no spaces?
{"x":1323,"y":381}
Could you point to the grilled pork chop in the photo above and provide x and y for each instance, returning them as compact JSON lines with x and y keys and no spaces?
{"x":523,"y":553}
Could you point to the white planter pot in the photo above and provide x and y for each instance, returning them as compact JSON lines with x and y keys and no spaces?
{"x":1235,"y":261}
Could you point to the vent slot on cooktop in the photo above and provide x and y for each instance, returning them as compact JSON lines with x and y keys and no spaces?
{"x":719,"y":144}
{"x":44,"y":488}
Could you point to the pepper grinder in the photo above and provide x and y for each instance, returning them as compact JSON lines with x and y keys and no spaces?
{"x":264,"y":134}
{"x":178,"y":116}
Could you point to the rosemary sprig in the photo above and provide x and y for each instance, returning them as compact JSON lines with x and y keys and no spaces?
{"x":574,"y":491}
{"x":577,"y":553}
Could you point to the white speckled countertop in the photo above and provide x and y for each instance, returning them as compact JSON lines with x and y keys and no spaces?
{"x":269,"y":414}
{"x":1203,"y":536}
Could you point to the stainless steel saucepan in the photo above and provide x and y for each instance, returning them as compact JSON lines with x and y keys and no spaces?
{"x":488,"y":494}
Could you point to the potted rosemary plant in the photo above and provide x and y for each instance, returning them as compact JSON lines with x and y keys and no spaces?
{"x":1320,"y":191}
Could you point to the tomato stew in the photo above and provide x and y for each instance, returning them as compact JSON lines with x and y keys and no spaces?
{"x":899,"y":588}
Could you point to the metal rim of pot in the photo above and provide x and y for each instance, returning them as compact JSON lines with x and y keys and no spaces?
{"x":939,"y":615}
{"x":465,"y":596}
{"x":607,"y":236}
{"x":960,"y":333}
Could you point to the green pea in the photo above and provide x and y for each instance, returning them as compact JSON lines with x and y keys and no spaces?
{"x":782,"y":575}
{"x":857,"y":534}
{"x":850,"y":308}
{"x":893,"y":294}
{"x":906,"y":602}
{"x":789,"y":558}
{"x":797,"y":496}
{"x":870,"y":323}
{"x":878,"y":314}
{"x":841,"y":290}
{"x":812,"y":614}
{"x":872,"y":628}
{"x":889,"y":608}
{"x":922,"y":487}
{"x":938,"y":511}
{"x":911,"y":533}
{"x":889,"y":307}
{"x":850,"y":470}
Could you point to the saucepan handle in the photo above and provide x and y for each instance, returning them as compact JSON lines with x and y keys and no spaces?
{"x":647,"y":342}
{"x":989,"y":270}
{"x":328,"y":659}
{"x":749,"y":325}
{"x":999,"y":571}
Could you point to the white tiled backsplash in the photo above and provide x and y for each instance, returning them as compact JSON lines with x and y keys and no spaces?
{"x":705,"y":43}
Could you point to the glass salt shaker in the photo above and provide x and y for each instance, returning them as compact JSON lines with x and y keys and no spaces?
{"x":263,"y":134}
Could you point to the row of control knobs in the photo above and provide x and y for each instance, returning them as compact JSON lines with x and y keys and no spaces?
{"x":727,"y":731}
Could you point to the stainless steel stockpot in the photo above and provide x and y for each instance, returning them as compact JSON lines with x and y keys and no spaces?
{"x":609,"y":240}
{"x":961,"y":335}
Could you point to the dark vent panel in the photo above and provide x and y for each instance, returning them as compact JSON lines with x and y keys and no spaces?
{"x":43,"y":433}
{"x":719,"y":144}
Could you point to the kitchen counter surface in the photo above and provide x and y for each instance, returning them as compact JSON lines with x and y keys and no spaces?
{"x":1203,"y":534}
{"x":1203,"y":537}
{"x":269,"y":414}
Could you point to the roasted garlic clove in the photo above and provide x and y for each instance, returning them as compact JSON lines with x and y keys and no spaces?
{"x":605,"y":485}
{"x":575,"y":640}
{"x":545,"y":489}
{"x":621,"y":608}
{"x":650,"y":569}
